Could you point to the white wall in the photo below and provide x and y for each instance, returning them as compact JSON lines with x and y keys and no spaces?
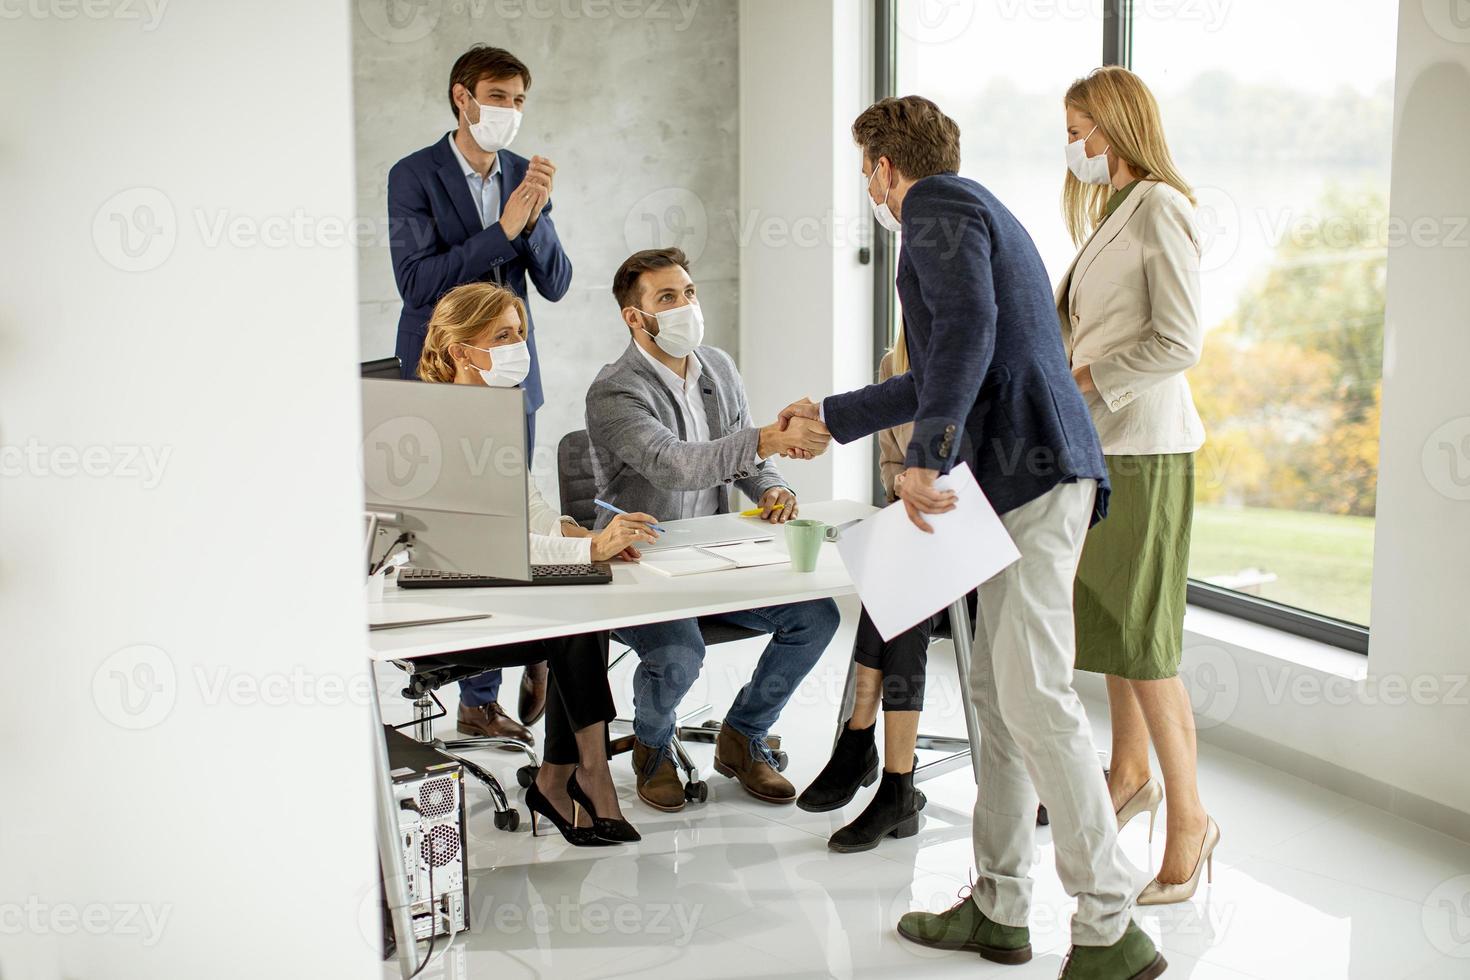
{"x":186,"y":781}
{"x":806,"y":317}
{"x":636,"y":105}
{"x":1393,"y":731}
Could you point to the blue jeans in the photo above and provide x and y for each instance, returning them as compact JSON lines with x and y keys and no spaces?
{"x":480,"y":690}
{"x":671,"y":655}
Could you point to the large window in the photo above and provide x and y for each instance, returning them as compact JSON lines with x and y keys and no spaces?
{"x":1280,"y":115}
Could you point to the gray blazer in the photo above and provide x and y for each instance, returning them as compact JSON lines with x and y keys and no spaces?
{"x":641,"y":456}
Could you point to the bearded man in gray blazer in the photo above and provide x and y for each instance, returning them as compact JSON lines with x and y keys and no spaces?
{"x":671,"y":434}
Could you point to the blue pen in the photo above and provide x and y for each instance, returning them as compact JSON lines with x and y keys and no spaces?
{"x":618,"y":510}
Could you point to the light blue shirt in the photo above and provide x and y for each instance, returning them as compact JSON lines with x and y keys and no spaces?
{"x":484,"y":191}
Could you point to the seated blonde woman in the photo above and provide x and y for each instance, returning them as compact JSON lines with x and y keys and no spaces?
{"x":477,"y":336}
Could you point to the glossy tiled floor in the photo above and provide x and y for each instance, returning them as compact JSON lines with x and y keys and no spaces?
{"x":1308,"y":883}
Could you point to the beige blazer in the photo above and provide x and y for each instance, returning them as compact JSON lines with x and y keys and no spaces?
{"x":1130,"y":307}
{"x":893,"y":444}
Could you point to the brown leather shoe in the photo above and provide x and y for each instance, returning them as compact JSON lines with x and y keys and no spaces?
{"x":533,"y":694}
{"x":659,"y":788}
{"x":733,"y":758}
{"x":491,"y":721}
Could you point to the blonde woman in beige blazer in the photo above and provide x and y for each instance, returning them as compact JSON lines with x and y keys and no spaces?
{"x":1129,"y":309}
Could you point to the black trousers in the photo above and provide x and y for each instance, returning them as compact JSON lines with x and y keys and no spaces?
{"x":577,"y":692}
{"x":904,"y":660}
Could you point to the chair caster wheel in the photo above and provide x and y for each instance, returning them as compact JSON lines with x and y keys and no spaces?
{"x":507,"y":820}
{"x":781,"y":760}
{"x":696,"y":791}
{"x":526,"y":775}
{"x":1043,"y":819}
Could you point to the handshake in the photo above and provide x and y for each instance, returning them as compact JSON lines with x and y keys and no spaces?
{"x":797,"y":433}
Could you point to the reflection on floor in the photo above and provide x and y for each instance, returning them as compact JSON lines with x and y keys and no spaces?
{"x":1309,"y":884}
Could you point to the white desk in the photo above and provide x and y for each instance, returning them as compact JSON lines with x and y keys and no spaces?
{"x":636,"y":596}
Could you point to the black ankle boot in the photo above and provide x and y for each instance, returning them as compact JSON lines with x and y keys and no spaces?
{"x":854,"y":764}
{"x":894,"y":812}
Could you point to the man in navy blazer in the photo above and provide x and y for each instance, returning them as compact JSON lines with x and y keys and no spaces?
{"x":989,"y":385}
{"x":466,"y":209}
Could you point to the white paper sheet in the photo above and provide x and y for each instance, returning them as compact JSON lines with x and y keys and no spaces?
{"x":904,"y":576}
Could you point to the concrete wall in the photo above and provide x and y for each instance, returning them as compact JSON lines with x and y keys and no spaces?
{"x":184,"y":740}
{"x":635,"y":102}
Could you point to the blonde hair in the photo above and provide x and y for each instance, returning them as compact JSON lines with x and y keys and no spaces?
{"x":1128,"y":116}
{"x":460,"y":316}
{"x":899,"y":351}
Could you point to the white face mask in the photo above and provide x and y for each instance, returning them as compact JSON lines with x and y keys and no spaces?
{"x":509,"y":365}
{"x":1089,"y":170}
{"x":881,"y":212}
{"x":680,"y":330}
{"x":498,"y":125}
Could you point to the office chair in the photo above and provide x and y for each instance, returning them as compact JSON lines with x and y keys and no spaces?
{"x":577,"y":485}
{"x":425,"y":675}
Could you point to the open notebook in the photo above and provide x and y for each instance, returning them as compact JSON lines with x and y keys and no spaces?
{"x":715,"y":558}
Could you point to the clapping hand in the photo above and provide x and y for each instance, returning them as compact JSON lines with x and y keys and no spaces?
{"x":525,"y":204}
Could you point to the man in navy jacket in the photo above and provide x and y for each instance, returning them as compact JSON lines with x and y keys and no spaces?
{"x":989,"y":385}
{"x":466,"y":209}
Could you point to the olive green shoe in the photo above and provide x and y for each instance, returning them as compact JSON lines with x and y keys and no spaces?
{"x":1131,"y":958}
{"x":964,"y":926}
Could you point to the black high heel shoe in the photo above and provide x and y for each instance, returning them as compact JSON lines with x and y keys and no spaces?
{"x":607,"y":829}
{"x":540,"y":806}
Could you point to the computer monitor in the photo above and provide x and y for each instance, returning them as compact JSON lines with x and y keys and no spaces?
{"x":447,"y":462}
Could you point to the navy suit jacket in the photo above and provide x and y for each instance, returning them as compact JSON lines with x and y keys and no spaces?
{"x":437,"y":244}
{"x":989,"y":383}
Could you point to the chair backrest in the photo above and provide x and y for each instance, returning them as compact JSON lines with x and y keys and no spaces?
{"x":575,"y":479}
{"x":383,"y":367}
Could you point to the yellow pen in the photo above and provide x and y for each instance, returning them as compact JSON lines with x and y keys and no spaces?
{"x":756,"y":512}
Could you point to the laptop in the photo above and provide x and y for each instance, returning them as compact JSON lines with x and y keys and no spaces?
{"x":707,"y":531}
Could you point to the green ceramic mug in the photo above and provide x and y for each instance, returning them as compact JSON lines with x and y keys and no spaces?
{"x":804,"y":542}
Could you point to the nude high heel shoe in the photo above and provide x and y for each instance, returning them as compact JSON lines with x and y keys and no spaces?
{"x":1158,"y":893}
{"x":1148,"y":797}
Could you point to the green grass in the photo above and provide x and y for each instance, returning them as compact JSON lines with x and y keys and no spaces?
{"x":1323,"y":562}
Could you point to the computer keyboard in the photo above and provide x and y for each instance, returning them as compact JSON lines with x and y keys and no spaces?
{"x":597,"y":573}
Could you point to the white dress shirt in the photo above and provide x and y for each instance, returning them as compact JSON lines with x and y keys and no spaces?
{"x":485,"y":191}
{"x":548,"y":545}
{"x":691,"y":407}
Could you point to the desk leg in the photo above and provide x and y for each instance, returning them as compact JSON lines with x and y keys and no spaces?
{"x":963,"y":633}
{"x":390,"y":854}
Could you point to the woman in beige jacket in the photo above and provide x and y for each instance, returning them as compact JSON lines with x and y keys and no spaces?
{"x":1130,"y":318}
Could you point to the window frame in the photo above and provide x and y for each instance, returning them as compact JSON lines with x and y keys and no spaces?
{"x":1117,"y":49}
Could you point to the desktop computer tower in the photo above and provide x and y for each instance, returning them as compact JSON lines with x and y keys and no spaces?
{"x":428,"y":795}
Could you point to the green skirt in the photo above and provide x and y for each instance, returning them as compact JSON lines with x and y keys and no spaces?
{"x":1132,"y":580}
